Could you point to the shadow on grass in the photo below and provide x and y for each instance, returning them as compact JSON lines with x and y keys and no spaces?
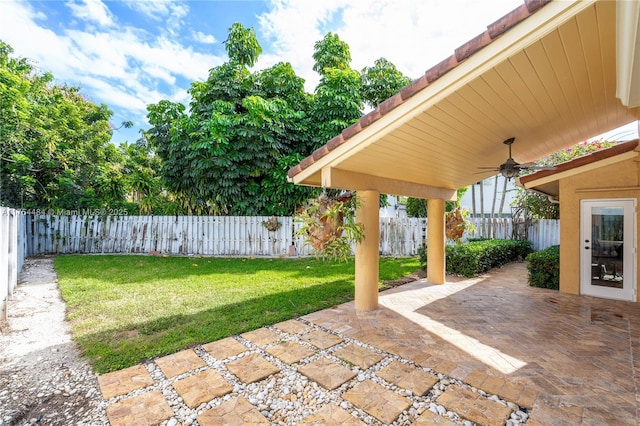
{"x":115,"y":349}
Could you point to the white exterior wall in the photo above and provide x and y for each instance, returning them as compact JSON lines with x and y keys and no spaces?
{"x":395,"y":209}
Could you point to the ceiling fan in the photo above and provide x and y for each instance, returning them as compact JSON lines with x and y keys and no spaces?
{"x":510,"y":168}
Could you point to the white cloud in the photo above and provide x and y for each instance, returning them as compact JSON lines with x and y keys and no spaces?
{"x":124,"y":67}
{"x":94,"y":11}
{"x":170,"y":13}
{"x":412,"y":34}
{"x":201,"y":37}
{"x":153,"y":9}
{"x":292,"y":28}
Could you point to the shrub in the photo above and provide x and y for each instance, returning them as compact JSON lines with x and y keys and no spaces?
{"x":475,"y":257}
{"x":544,"y":268}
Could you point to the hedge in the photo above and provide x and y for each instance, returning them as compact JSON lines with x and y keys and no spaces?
{"x":544,"y":268}
{"x":473,"y":258}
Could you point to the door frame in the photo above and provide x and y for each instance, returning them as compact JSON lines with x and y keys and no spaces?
{"x":629,"y":290}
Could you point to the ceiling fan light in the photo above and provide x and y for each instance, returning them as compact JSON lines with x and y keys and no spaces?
{"x":509,"y":173}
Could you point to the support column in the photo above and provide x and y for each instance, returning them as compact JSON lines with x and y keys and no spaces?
{"x":435,"y":241}
{"x":367,"y":252}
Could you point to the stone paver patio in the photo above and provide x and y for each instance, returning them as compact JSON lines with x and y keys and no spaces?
{"x":480,"y":349}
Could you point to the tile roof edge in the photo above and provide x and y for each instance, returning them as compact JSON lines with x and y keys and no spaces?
{"x":583,"y":160}
{"x":494,"y":30}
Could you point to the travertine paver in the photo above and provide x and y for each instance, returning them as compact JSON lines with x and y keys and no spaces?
{"x":380,"y":402}
{"x":235,"y":412}
{"x":432,"y":419}
{"x":290,"y":352}
{"x":327,"y":373}
{"x":124,"y":381}
{"x":519,"y":394}
{"x":251,"y":368}
{"x":321,"y":339}
{"x":180,"y":362}
{"x":358,"y":355}
{"x":202,"y":387}
{"x":292,"y":326}
{"x":407,"y":377}
{"x":474,"y":406}
{"x":146,"y":409}
{"x":225,"y":348}
{"x":262,"y":336}
{"x":437,"y":364}
{"x":331,"y":414}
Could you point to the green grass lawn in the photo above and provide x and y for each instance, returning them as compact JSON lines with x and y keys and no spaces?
{"x":124,"y":309}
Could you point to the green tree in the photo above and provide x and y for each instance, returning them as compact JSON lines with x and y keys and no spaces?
{"x":338,"y":103}
{"x":230,"y":153}
{"x":381,"y":81}
{"x":242,"y":45}
{"x":55,"y":150}
{"x":141,"y":170}
{"x":331,"y":53}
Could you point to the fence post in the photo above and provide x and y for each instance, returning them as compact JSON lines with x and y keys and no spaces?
{"x":4,"y":264}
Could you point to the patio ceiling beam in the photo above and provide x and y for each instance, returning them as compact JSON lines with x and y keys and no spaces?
{"x":344,"y":179}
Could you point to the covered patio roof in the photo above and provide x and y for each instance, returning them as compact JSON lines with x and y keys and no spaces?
{"x":546,"y":74}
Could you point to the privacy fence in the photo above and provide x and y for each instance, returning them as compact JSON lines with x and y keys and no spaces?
{"x":228,"y":235}
{"x":541,"y":232}
{"x":12,"y":253}
{"x":194,"y":235}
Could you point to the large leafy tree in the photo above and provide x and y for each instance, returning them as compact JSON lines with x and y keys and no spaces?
{"x":55,"y":150}
{"x":230,"y":152}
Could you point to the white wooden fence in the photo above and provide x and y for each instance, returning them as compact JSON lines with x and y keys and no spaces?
{"x":228,"y":235}
{"x":194,"y":235}
{"x":12,"y":253}
{"x":542,"y":232}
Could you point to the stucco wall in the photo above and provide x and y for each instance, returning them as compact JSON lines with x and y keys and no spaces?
{"x":619,"y":180}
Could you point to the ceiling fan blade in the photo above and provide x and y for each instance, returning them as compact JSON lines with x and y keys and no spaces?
{"x":488,"y":168}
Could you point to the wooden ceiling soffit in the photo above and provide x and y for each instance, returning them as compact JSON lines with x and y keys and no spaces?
{"x":344,"y":179}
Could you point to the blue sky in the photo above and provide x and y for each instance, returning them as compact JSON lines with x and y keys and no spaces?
{"x":128,"y":54}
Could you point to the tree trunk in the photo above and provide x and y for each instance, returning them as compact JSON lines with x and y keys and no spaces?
{"x":504,"y":196}
{"x":483,"y":221}
{"x":473,"y":200}
{"x":493,"y":207}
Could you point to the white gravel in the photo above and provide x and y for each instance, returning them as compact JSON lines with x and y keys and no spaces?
{"x":43,"y":378}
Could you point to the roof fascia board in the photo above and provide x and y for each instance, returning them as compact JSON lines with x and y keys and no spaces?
{"x":344,"y":179}
{"x":581,"y":169}
{"x":628,"y":53}
{"x":544,"y":21}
